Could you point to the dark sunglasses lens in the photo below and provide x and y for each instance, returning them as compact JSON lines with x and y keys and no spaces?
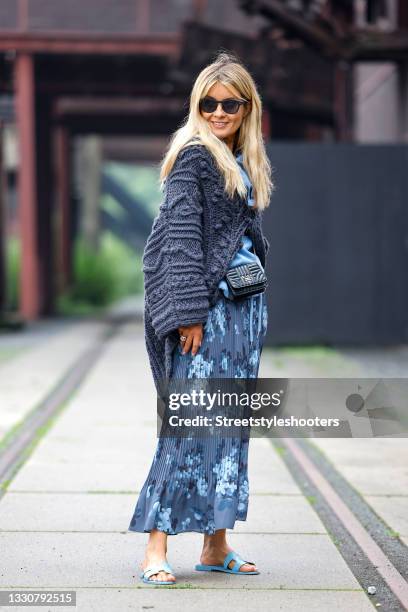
{"x":208,"y":105}
{"x":230,"y":106}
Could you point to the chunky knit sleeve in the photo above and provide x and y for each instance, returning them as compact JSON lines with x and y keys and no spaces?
{"x":173,"y":261}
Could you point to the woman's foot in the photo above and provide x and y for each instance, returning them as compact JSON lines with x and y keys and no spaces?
{"x":215,"y":549}
{"x":156,"y":551}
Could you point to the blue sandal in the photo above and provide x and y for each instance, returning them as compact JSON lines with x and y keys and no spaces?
{"x":224,"y":567}
{"x":155,"y":569}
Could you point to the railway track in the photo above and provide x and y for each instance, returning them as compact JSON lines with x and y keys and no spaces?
{"x":376,"y":558}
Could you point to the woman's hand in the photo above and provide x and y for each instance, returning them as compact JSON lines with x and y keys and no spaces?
{"x":194,"y":335}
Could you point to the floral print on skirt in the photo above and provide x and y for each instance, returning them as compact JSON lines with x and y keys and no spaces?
{"x":202,"y":484}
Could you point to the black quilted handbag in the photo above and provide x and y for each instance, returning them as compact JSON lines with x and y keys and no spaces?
{"x":246,"y":280}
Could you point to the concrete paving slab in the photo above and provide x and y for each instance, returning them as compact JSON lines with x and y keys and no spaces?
{"x":100,"y":447}
{"x":170,"y":599}
{"x":108,"y":381}
{"x":392,"y":509}
{"x":303,"y":363}
{"x":365,"y":451}
{"x":30,"y":376}
{"x":266,"y":473}
{"x":70,"y":560}
{"x":99,"y":459}
{"x":61,"y":452}
{"x":113,"y":512}
{"x":280,"y":514}
{"x":115,"y":435}
{"x":89,"y":476}
{"x":381,"y":362}
{"x":102,"y":430}
{"x":378,"y":470}
{"x":377,"y":479}
{"x":66,"y":512}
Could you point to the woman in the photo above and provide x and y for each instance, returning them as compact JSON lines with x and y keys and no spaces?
{"x":217,"y":181}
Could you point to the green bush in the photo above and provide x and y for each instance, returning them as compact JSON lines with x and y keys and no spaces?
{"x":101,"y":277}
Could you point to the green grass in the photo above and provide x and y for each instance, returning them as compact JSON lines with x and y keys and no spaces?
{"x":280,"y":450}
{"x":392,"y":533}
{"x":311,"y":499}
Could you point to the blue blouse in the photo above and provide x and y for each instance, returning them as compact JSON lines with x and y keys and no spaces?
{"x":246,"y":253}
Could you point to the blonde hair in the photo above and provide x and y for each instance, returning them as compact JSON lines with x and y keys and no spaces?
{"x":228,"y":71}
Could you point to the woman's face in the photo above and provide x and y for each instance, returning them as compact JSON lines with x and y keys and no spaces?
{"x":222,"y":124}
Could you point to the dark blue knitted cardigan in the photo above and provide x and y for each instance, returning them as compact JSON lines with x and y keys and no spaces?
{"x":194,"y":237}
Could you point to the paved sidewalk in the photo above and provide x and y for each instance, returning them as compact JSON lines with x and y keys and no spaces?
{"x":45,"y":352}
{"x":65,"y":515}
{"x":376,"y":468}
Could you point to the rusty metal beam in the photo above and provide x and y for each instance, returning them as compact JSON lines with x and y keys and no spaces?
{"x":343,"y":101}
{"x":312,"y":34}
{"x":157,"y":125}
{"x":99,"y":88}
{"x":354,"y":45}
{"x":25,"y":114}
{"x":62,"y":191}
{"x":403,"y":14}
{"x":70,"y":44}
{"x":266,"y":124}
{"x":2,"y":226}
{"x":376,"y":46}
{"x":44,"y":167}
{"x":199,"y":9}
{"x":92,"y":105}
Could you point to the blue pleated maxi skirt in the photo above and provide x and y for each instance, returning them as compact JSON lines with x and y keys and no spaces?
{"x":202,"y":484}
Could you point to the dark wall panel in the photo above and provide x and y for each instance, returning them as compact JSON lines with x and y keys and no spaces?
{"x":338,"y":227}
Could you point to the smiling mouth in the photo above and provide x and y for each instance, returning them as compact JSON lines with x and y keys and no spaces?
{"x":219,"y":123}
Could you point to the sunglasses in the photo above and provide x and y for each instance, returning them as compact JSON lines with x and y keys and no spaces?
{"x":229,"y":105}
